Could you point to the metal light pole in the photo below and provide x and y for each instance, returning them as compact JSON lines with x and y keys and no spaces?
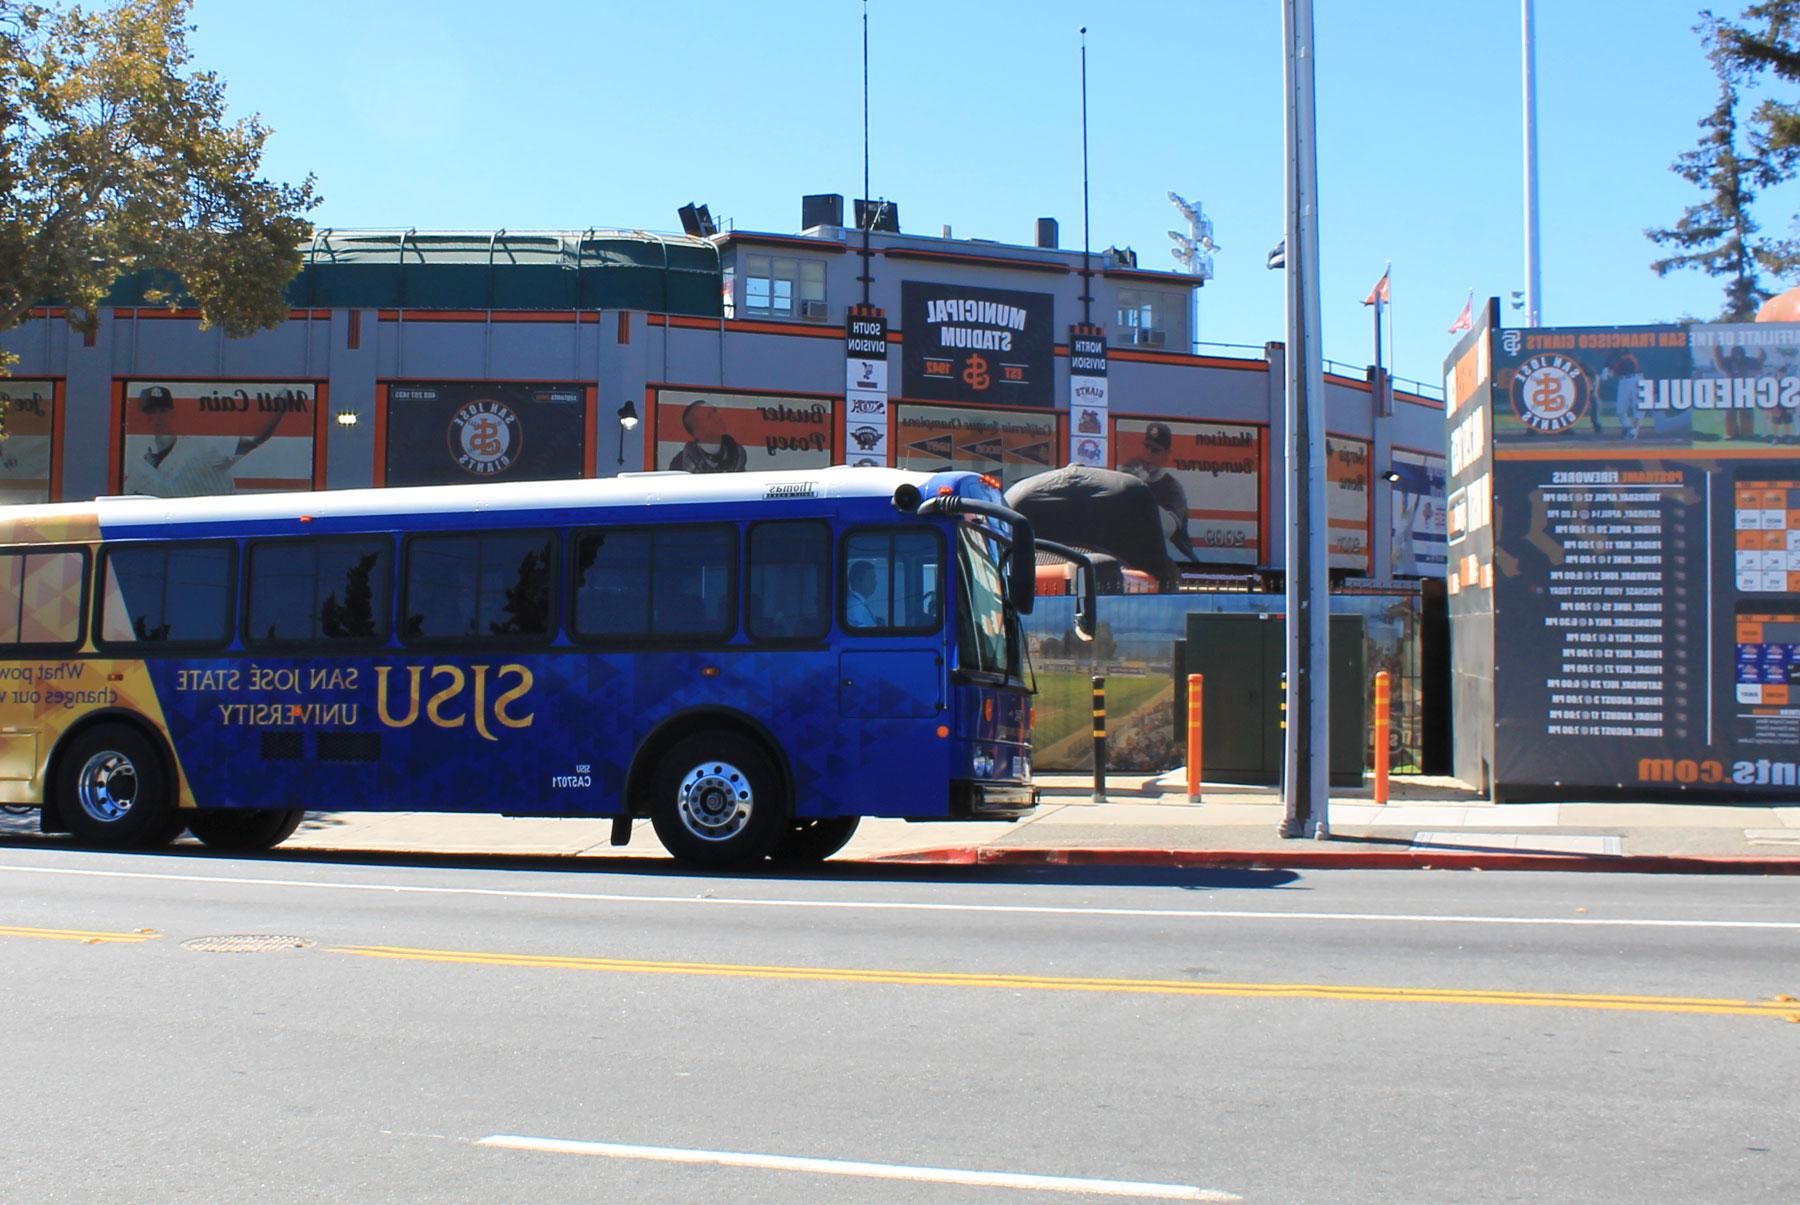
{"x":1306,"y":760}
{"x":1194,"y":252}
{"x":1534,"y":285}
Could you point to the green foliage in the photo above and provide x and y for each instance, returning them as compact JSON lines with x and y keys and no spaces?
{"x":116,"y":156}
{"x":1718,"y":235}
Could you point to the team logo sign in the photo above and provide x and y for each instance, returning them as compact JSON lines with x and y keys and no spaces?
{"x":1550,"y":393}
{"x":485,"y":437}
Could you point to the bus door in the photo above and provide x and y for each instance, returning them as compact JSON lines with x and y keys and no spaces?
{"x":892,"y":661}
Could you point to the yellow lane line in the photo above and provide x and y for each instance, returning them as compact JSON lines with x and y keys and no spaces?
{"x":81,"y":935}
{"x":1048,"y":983}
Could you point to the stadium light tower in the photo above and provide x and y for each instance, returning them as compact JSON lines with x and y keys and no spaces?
{"x":1194,"y":251}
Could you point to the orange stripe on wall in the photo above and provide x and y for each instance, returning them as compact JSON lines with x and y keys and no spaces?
{"x":379,"y":476}
{"x":58,"y":423}
{"x":591,"y":402}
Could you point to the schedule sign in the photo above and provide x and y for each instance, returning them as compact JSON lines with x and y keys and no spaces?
{"x":1646,"y":576}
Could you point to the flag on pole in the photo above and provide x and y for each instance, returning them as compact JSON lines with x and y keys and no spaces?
{"x":1380,"y":292}
{"x":1465,"y":321}
{"x":1278,"y":256}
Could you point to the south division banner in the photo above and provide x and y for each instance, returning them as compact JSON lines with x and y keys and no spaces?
{"x":1007,"y":445}
{"x":27,"y":426}
{"x":449,"y":432}
{"x":702,"y":431}
{"x":1347,"y":479}
{"x":1647,"y":588}
{"x":1419,"y":529}
{"x":1207,"y":481}
{"x":989,"y":346}
{"x":190,"y":438}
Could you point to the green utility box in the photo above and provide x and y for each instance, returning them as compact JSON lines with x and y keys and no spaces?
{"x":1243,"y":657}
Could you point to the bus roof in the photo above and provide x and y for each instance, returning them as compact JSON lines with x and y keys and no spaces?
{"x":114,"y":514}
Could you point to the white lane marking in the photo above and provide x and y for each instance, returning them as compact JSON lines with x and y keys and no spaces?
{"x":846,"y":1167}
{"x":1424,"y":918}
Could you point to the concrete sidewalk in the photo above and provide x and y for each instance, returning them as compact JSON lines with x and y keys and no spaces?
{"x":1147,"y":820}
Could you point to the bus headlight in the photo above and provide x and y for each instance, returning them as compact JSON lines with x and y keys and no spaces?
{"x":983,"y":765}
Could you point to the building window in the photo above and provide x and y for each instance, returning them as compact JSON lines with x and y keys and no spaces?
{"x":1148,"y":319}
{"x":782,"y":287}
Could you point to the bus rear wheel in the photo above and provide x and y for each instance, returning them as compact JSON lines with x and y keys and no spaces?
{"x":112,"y":790}
{"x":717,"y":801}
{"x":245,"y":829}
{"x":810,"y":841}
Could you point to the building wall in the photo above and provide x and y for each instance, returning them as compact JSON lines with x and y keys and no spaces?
{"x":352,"y":356}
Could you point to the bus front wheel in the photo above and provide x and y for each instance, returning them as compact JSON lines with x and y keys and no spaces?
{"x":112,"y":790}
{"x":717,"y":800}
{"x":245,"y":829}
{"x":810,"y":841}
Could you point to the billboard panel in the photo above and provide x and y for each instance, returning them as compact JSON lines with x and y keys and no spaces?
{"x":986,"y":346}
{"x":1417,"y":547}
{"x":709,"y":431}
{"x":1647,"y":504}
{"x":453,"y":432}
{"x":1005,"y":444}
{"x":191,"y":438}
{"x":1347,"y":477}
{"x":1207,"y":480}
{"x":28,"y":411}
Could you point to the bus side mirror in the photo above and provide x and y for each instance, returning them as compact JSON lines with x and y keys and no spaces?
{"x":1087,"y":608}
{"x":1022,"y":565}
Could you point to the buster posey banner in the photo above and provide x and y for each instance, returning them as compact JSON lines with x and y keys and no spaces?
{"x":450,"y":432}
{"x":712,"y":431}
{"x":865,"y":387}
{"x":27,"y":427}
{"x":191,"y":438}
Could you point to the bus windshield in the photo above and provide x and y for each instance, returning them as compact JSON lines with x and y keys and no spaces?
{"x":985,"y":628}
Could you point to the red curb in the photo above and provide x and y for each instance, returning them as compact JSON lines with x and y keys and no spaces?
{"x":1327,"y":859}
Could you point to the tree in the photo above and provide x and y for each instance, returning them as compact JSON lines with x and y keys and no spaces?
{"x":117,"y":157}
{"x":1718,"y":235}
{"x":1764,"y":43}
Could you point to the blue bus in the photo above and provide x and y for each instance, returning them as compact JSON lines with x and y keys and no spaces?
{"x":753,"y":661}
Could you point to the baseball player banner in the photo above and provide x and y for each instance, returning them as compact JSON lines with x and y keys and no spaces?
{"x":986,"y":346}
{"x":717,"y":431}
{"x":865,"y":387}
{"x":1004,"y":444}
{"x":27,"y":427}
{"x":452,"y":432}
{"x":1347,"y":478}
{"x":186,"y":439}
{"x":1207,"y":482}
{"x":1418,"y":520}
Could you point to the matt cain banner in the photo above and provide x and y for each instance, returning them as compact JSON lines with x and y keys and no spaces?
{"x":450,"y":432}
{"x":993,"y":346}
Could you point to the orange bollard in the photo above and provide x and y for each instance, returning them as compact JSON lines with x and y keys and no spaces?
{"x":1196,"y":684}
{"x":1381,"y":737}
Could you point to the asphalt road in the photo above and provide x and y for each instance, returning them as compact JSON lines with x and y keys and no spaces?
{"x":504,"y":1030}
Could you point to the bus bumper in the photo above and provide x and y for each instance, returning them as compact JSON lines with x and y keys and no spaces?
{"x":973,"y":800}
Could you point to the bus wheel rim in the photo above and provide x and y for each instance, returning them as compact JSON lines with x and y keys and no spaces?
{"x":715,"y":801}
{"x":107,"y":786}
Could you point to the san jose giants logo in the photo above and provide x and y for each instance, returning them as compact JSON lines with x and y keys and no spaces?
{"x":485,"y":438}
{"x":1550,"y":393}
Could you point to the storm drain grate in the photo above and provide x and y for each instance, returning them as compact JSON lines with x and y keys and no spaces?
{"x":246,"y":943}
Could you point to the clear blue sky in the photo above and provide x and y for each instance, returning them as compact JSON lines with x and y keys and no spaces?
{"x":576,"y":113}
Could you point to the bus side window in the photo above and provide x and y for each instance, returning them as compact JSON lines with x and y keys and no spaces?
{"x":656,"y":583}
{"x":479,"y":586}
{"x":789,"y":565}
{"x":40,"y":598}
{"x":167,"y":594}
{"x":891,"y":581}
{"x":311,"y":590}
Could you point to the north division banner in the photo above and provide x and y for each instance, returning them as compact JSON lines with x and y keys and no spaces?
{"x":191,"y":438}
{"x":987,"y":346}
{"x":1007,"y":445}
{"x":709,"y":431}
{"x":452,"y":432}
{"x":1347,"y":478}
{"x":27,"y":428}
{"x":1207,"y":481}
